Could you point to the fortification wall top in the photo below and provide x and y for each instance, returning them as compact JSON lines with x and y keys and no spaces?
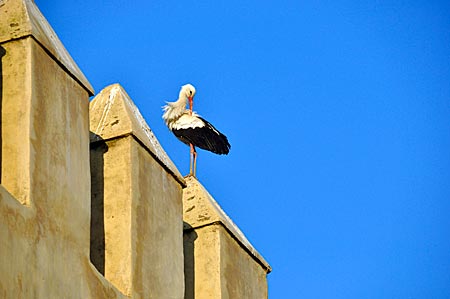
{"x":113,"y":114}
{"x":22,"y":18}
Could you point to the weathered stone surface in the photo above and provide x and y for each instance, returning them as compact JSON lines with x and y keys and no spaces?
{"x":114,"y":114}
{"x":42,"y":263}
{"x":131,"y":228}
{"x":45,"y":184}
{"x":141,"y":201}
{"x":241,"y":276}
{"x":16,"y":101}
{"x":21,"y":18}
{"x":219,"y":260}
{"x":202,"y":263}
{"x":45,"y":139}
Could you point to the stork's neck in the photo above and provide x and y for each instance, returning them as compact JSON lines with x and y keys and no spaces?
{"x":173,"y":110}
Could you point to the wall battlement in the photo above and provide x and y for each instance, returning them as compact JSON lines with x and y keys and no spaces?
{"x":91,"y":206}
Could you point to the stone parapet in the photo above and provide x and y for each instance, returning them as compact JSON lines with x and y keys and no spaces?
{"x":219,"y":260}
{"x":114,"y":115}
{"x":91,"y":206}
{"x":44,"y":157}
{"x":137,"y":226}
{"x":21,"y":19}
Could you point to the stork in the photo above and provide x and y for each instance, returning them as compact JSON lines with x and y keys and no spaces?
{"x":191,"y":129}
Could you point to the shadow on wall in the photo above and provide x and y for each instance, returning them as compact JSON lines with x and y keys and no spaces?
{"x":189,"y":237}
{"x":2,"y":53}
{"x":97,"y":247}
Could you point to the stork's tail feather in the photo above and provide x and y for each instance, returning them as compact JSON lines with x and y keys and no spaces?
{"x":213,"y":140}
{"x":217,"y":144}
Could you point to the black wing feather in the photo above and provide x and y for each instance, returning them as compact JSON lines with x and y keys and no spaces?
{"x":207,"y":138}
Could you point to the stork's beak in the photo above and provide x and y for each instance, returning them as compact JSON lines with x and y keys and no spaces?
{"x":191,"y":104}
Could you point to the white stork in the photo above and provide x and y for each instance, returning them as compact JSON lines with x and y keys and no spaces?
{"x":192,"y":129}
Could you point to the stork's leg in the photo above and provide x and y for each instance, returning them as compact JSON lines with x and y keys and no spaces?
{"x":195,"y":162}
{"x":191,"y":159}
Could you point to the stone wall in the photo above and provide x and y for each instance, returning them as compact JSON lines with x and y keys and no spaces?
{"x":45,"y":172}
{"x":219,"y":260}
{"x":91,"y":206}
{"x":137,"y":198}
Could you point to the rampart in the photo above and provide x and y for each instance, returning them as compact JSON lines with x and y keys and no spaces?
{"x":91,"y":206}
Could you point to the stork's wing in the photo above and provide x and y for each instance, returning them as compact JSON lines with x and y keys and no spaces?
{"x":206,"y":137}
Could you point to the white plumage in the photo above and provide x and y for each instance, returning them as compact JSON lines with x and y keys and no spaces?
{"x":186,"y":121}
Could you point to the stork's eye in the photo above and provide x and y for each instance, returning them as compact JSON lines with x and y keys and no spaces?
{"x":190,"y":91}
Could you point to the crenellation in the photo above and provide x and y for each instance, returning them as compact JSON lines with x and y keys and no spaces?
{"x":91,"y":206}
{"x":142,"y":201}
{"x":220,"y":251}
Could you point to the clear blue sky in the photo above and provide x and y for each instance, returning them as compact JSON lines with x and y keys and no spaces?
{"x":338,"y":113}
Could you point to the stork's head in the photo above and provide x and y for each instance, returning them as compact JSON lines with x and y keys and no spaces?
{"x":188,"y":91}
